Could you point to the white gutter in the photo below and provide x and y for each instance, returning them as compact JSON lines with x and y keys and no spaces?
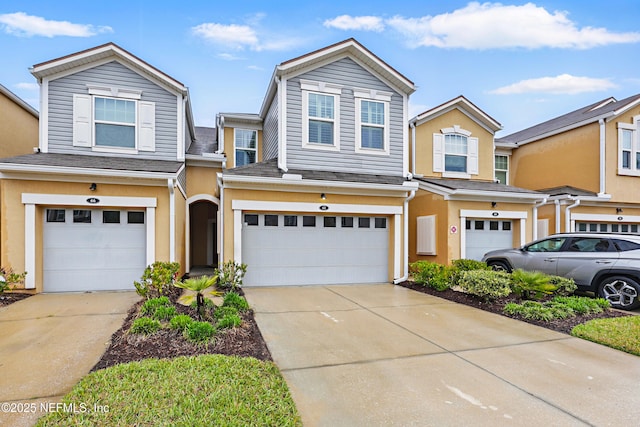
{"x":557,"y":203}
{"x":412,"y":125}
{"x":221,"y":219}
{"x":603,"y":177}
{"x":535,"y":216}
{"x":172,"y":220}
{"x":567,"y":213}
{"x":406,"y":239}
{"x":64,"y":170}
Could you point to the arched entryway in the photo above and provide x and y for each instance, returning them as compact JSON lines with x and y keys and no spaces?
{"x":202,"y":223}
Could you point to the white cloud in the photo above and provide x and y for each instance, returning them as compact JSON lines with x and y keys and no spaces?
{"x":564,"y":84}
{"x":233,"y":36}
{"x":27,"y":86}
{"x":358,"y":23}
{"x":255,"y":68}
{"x":229,"y":57}
{"x":493,"y":25}
{"x":21,"y":24}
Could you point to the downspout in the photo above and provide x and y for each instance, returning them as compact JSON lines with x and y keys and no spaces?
{"x":535,"y":216}
{"x":221,"y":223}
{"x":603,"y":177}
{"x":406,"y":239}
{"x":172,"y":220}
{"x":567,"y":219}
{"x":412,"y":125}
{"x":557,"y":203}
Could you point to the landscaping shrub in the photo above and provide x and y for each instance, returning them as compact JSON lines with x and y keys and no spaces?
{"x":199,"y":331}
{"x":156,"y":278}
{"x":225,"y":310}
{"x":563,"y":285}
{"x":431,"y":274}
{"x":232,"y":299}
{"x":229,"y":321}
{"x":487,"y":284}
{"x":460,"y":265}
{"x":165,"y":313}
{"x":151,"y":305}
{"x":560,"y":307}
{"x":231,"y":274}
{"x":584,"y":305}
{"x":531,"y":284}
{"x":9,"y":278}
{"x":145,"y":325}
{"x":180,"y":322}
{"x":197,"y":285}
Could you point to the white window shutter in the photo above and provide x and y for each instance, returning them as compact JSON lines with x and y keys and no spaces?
{"x":438,"y":157}
{"x":472,"y":158}
{"x":426,"y":235}
{"x":82,"y":120}
{"x":146,"y":126}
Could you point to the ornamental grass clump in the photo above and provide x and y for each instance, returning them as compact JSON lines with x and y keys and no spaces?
{"x":486,"y":284}
{"x":232,"y":299}
{"x":145,"y":326}
{"x":180,"y":322}
{"x":199,"y":332}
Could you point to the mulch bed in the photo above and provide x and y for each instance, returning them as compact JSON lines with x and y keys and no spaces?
{"x":244,"y":341}
{"x":560,"y":325}
{"x":9,"y":298}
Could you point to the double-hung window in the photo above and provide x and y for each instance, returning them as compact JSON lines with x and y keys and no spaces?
{"x":372,"y":121}
{"x":320,"y":115}
{"x":245,"y":142}
{"x":502,"y":168}
{"x":113,"y":119}
{"x":455,"y":153}
{"x":629,"y":148}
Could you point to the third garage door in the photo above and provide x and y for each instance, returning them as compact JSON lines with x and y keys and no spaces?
{"x":314,"y":249}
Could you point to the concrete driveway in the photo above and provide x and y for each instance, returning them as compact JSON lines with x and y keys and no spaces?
{"x":379,"y":355}
{"x":48,"y":342}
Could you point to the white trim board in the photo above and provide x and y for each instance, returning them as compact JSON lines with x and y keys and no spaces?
{"x":258,"y":205}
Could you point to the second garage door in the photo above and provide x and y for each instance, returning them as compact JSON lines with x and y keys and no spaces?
{"x":483,"y":235}
{"x":93,"y":249}
{"x":314,"y":249}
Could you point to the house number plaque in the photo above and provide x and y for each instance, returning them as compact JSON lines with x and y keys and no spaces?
{"x":93,"y":200}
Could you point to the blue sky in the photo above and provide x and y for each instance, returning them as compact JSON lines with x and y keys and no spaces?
{"x":521,"y":63}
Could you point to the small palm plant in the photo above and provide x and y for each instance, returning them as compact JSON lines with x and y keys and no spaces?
{"x":531,"y":283}
{"x":198,"y":285}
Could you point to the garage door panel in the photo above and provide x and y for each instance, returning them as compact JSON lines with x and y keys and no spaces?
{"x":482,"y":240}
{"x":314,"y":255}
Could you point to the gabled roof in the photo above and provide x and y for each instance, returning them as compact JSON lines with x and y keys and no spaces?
{"x":68,"y":63}
{"x":16,"y":99}
{"x":466,"y":107}
{"x":349,"y":48}
{"x":603,"y":109}
{"x":568,"y":190}
{"x":206,"y":141}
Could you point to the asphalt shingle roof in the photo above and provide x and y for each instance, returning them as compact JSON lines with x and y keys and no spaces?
{"x":206,"y":141}
{"x":94,"y":162}
{"x":464,"y":184}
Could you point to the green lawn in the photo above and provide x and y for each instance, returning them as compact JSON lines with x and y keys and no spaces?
{"x":186,"y":391}
{"x":622,"y":333}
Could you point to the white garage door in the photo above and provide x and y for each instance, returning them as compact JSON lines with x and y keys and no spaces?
{"x":484,"y":235}
{"x":93,"y":249}
{"x":312,"y":249}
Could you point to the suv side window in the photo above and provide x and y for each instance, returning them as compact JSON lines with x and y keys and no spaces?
{"x":550,"y":245}
{"x":589,"y":244}
{"x":625,"y":245}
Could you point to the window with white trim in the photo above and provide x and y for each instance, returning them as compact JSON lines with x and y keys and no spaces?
{"x":112,"y":119}
{"x":245,"y":143}
{"x":629,"y":148}
{"x":501,"y":168}
{"x":372,"y":121}
{"x":320,"y":115}
{"x":455,"y":153}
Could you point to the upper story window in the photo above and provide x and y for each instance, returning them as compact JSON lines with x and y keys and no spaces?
{"x":629,"y":148}
{"x":501,"y":167}
{"x":372,"y":121}
{"x":246,"y":144}
{"x":113,"y":120}
{"x":320,"y":115}
{"x":455,"y":153}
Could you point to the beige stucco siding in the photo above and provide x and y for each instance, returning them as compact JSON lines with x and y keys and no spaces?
{"x":202,"y":180}
{"x":424,"y":143}
{"x":570,"y":158}
{"x":622,"y":188}
{"x":18,"y":129}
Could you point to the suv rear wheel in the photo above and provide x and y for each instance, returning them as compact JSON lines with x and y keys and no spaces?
{"x":499,"y":266}
{"x":621,"y":292}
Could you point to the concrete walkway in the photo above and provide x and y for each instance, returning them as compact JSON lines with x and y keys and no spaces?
{"x":48,"y":342}
{"x":381,"y":355}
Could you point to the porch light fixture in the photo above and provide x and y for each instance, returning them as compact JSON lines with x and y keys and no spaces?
{"x":618,"y":210}
{"x":493,"y":204}
{"x":93,"y":186}
{"x":323,"y":196}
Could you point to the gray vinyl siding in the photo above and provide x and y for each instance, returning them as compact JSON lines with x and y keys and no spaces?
{"x":182,"y":179}
{"x":114,"y":74}
{"x":270,"y":132}
{"x":350,"y":75}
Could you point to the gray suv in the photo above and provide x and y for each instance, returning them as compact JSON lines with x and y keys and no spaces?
{"x":606,"y":264}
